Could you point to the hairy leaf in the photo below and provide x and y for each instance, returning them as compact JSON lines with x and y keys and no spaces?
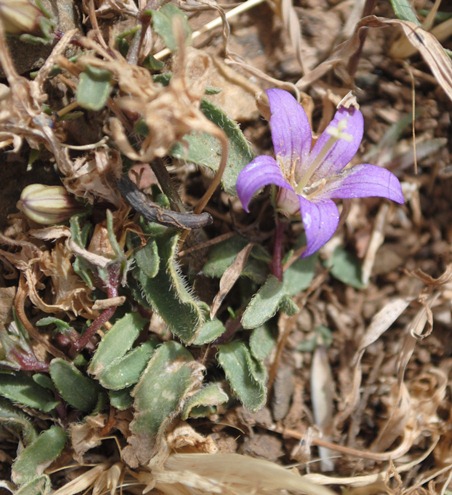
{"x":75,"y":388}
{"x":246,"y":375}
{"x":344,"y":266}
{"x":17,"y":421}
{"x":32,"y":461}
{"x":169,"y":295}
{"x":116,"y":342}
{"x":264,"y":304}
{"x":169,"y":376}
{"x":204,"y":401}
{"x":24,"y":390}
{"x":205,"y":150}
{"x":124,"y":372}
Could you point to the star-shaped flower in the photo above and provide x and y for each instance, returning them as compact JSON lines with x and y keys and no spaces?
{"x":310,"y":177}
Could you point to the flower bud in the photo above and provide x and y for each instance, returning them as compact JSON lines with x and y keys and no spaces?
{"x":47,"y":205}
{"x":19,"y":16}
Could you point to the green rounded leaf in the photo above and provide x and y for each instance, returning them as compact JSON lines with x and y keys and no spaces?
{"x":75,"y":388}
{"x":32,"y":461}
{"x":163,"y":22}
{"x":246,"y":375}
{"x":94,"y":88}
{"x":169,"y":377}
{"x":24,"y":390}
{"x":205,"y":150}
{"x":120,"y":399}
{"x":264,"y":304}
{"x":346,"y":267}
{"x":263,"y":340}
{"x":169,"y":295}
{"x":209,"y":332}
{"x":204,"y":402}
{"x":116,"y":342}
{"x":123,"y":373}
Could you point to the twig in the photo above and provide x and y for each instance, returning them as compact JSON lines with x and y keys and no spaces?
{"x":155,"y":213}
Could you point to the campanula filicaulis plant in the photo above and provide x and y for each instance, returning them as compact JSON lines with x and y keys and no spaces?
{"x":310,"y":177}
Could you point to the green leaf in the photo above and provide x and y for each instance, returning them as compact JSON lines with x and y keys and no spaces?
{"x":51,"y":320}
{"x":222,"y":255}
{"x":288,"y":306}
{"x":299,"y":275}
{"x":74,"y":387}
{"x":205,"y":150}
{"x":116,"y":343}
{"x":163,"y":23}
{"x":23,"y":390}
{"x":264,"y":304}
{"x":209,"y":332}
{"x":246,"y":375}
{"x":263,"y":340}
{"x":40,"y":485}
{"x":404,"y":11}
{"x":16,"y":421}
{"x":80,"y":235}
{"x":170,"y":375}
{"x":169,"y":295}
{"x":204,"y":402}
{"x":124,"y":372}
{"x":44,"y":381}
{"x":32,"y":461}
{"x":275,"y":295}
{"x":322,"y":336}
{"x":147,"y":259}
{"x":346,"y":267}
{"x":120,"y":399}
{"x":94,"y":88}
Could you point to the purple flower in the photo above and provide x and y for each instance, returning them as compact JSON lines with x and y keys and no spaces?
{"x":311,"y":177}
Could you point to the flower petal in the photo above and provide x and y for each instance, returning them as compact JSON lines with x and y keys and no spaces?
{"x":342,"y":151}
{"x":320,"y":220}
{"x":291,"y":132}
{"x":262,"y":171}
{"x":364,"y":181}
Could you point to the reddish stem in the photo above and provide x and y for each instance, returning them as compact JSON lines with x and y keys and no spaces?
{"x":276,"y":264}
{"x":28,"y":361}
{"x":83,"y":341}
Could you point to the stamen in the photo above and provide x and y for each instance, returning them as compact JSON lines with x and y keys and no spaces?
{"x":336,"y":133}
{"x":314,"y":188}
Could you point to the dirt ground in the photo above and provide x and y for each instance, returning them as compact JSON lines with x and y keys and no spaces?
{"x":358,"y":380}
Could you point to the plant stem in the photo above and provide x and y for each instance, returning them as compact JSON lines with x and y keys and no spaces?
{"x":276,"y":264}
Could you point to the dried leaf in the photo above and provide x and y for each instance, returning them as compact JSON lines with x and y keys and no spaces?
{"x":229,"y":278}
{"x":231,"y":473}
{"x":429,"y":47}
{"x":7,"y":295}
{"x":431,"y":50}
{"x":322,"y":394}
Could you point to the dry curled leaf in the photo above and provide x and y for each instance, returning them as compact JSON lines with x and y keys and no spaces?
{"x":230,"y":277}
